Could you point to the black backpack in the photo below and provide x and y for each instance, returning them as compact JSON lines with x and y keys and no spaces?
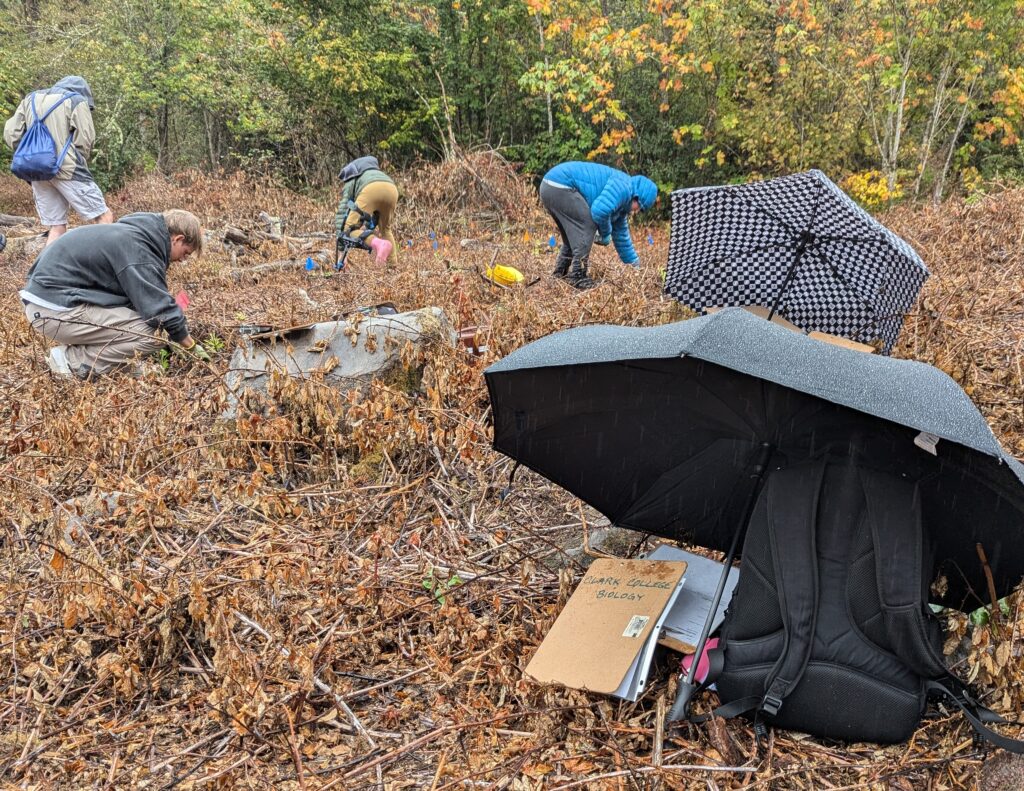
{"x":829,"y":630}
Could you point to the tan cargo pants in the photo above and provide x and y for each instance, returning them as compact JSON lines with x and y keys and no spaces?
{"x":381,"y":197}
{"x":98,"y":340}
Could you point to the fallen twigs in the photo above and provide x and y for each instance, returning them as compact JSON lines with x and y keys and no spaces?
{"x":330,"y":589}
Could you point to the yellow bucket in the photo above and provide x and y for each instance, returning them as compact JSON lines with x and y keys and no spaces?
{"x":504,"y":275}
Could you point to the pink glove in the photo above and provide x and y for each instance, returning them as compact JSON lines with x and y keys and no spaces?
{"x":704,"y":664}
{"x":381,"y":248}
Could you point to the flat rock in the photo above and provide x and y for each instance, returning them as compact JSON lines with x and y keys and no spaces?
{"x":604,"y":539}
{"x":347,"y":354}
{"x":81,"y":513}
{"x":1002,"y":772}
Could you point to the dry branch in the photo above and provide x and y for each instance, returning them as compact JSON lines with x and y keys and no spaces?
{"x":13,"y":219}
{"x":397,"y":595}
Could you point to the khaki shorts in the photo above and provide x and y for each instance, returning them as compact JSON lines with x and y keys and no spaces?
{"x":55,"y":196}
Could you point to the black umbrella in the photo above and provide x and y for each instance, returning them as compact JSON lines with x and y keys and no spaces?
{"x":666,"y":430}
{"x":798,"y":245}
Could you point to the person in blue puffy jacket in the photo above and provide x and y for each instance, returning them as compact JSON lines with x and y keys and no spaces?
{"x":591,"y":202}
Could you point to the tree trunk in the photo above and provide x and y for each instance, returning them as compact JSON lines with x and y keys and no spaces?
{"x":940,"y":183}
{"x":890,"y":158}
{"x":932,"y":127}
{"x":211,"y":133}
{"x":14,"y":219}
{"x":547,"y":94}
{"x":162,"y":137}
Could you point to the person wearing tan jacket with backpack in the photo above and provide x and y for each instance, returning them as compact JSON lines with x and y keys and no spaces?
{"x":67,"y":108}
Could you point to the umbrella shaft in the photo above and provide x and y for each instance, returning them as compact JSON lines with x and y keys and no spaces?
{"x":790,"y":274}
{"x":681,"y":706}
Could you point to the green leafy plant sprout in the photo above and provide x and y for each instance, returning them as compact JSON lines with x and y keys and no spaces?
{"x":439,"y":587}
{"x":213,"y":343}
{"x":982,"y":615}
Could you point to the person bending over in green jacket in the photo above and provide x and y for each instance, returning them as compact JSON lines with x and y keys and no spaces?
{"x":374,"y":192}
{"x":100,"y":292}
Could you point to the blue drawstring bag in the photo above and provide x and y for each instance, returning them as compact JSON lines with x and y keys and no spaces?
{"x":36,"y":157}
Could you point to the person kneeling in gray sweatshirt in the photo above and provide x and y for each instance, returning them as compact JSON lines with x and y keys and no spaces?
{"x":100,"y":291}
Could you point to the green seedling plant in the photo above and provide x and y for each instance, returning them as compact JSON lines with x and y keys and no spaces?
{"x":439,"y":587}
{"x":214,"y":343}
{"x":983,"y":615}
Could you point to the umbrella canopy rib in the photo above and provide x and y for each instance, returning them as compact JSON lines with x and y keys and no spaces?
{"x":865,"y":304}
{"x":738,"y":255}
{"x":827,"y":237}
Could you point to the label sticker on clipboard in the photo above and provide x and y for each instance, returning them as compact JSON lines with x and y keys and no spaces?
{"x":636,"y":625}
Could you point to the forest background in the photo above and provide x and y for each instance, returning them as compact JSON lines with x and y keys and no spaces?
{"x":894,"y":98}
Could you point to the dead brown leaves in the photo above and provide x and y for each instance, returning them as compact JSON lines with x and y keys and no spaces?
{"x":970,"y":321}
{"x":328,"y":591}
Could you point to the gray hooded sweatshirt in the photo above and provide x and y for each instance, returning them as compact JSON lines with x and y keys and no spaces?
{"x":119,"y":265}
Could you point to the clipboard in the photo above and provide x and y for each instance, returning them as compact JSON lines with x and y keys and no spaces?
{"x":605,"y":637}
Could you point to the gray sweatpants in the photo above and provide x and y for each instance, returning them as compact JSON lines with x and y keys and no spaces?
{"x":572,"y":215}
{"x":98,"y":340}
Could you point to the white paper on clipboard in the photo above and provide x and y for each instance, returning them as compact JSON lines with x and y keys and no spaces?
{"x":685,"y":619}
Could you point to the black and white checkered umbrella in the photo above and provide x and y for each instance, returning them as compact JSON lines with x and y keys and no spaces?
{"x":799,"y":245}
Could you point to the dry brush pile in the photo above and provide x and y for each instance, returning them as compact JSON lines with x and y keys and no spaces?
{"x":329,"y":591}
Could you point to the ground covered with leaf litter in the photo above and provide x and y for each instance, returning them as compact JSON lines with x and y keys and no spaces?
{"x":327,"y":591}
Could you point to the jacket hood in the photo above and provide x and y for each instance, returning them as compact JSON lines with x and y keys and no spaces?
{"x":644,"y":190}
{"x":358,"y":167}
{"x":154,"y":230}
{"x":75,"y":84}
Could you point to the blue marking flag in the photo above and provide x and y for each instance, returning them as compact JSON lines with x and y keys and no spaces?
{"x":310,"y":265}
{"x":551,"y":241}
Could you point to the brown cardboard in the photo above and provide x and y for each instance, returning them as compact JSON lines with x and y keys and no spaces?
{"x":591,"y":645}
{"x":676,"y":645}
{"x":840,"y":341}
{"x":762,"y":312}
{"x":836,"y":340}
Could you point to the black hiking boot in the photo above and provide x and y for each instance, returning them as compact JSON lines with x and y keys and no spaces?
{"x":562,"y":263}
{"x":578,"y":277}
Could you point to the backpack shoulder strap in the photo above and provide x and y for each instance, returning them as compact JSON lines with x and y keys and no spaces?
{"x":791,"y":508}
{"x":894,"y":516}
{"x":52,"y":108}
{"x":976,"y":714}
